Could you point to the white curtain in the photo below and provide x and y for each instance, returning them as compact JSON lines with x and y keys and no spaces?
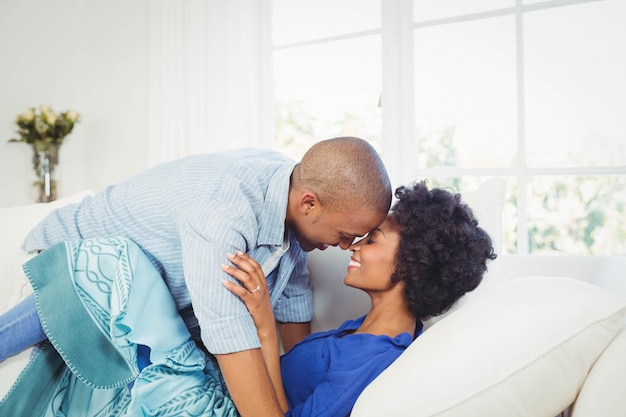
{"x":210,"y":76}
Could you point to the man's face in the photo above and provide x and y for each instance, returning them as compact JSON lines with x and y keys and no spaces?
{"x":320,"y":229}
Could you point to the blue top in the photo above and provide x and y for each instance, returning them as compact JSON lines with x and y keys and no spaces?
{"x":325,"y":373}
{"x":186,"y":215}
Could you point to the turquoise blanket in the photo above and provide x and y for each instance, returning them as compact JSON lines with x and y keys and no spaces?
{"x":100,"y":302}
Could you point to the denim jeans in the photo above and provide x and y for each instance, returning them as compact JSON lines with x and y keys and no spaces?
{"x":20,"y":328}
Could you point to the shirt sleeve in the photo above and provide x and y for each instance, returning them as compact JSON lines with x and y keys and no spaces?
{"x":353,"y":366}
{"x":210,"y":230}
{"x":57,"y":226}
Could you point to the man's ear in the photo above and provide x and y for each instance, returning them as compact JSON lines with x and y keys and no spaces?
{"x":308,"y":202}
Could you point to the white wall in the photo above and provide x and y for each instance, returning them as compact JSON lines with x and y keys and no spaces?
{"x":87,"y":56}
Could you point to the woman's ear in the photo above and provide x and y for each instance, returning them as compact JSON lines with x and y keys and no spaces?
{"x":399,"y":283}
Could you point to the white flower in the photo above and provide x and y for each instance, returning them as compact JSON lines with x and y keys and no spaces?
{"x":27,"y":116}
{"x":49,"y":116}
{"x":71,"y":115}
{"x":41,"y":126}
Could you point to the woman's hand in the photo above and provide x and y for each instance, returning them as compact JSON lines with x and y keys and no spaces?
{"x":253,"y":291}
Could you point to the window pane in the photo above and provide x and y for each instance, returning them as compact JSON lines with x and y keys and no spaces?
{"x":327,"y":90}
{"x":465,"y":94}
{"x":439,"y":9}
{"x":577,"y":215}
{"x":300,"y":20}
{"x":576,"y":85}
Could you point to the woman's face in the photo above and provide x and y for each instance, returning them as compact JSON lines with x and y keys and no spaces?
{"x":373,"y":258}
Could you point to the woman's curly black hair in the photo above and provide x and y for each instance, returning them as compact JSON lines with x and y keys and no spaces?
{"x":442,"y":252}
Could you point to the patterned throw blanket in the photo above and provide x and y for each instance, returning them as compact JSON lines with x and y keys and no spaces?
{"x":103,"y":306}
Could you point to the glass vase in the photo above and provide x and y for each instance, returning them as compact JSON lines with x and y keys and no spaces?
{"x":45,"y":160}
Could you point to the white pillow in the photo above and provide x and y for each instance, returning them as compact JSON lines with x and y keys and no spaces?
{"x":487,"y":202}
{"x":603,"y":391}
{"x":15,"y":223}
{"x":522,"y":348}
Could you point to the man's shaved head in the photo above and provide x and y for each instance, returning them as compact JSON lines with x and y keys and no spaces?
{"x":346,"y":173}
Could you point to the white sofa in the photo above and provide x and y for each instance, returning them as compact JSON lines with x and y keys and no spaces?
{"x":538,"y":348}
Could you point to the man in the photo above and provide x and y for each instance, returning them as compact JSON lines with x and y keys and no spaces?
{"x":187,"y":215}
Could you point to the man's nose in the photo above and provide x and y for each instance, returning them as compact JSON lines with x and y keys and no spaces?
{"x":345,"y":243}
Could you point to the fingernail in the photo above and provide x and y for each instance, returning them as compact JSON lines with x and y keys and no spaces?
{"x":230,"y":255}
{"x":224,"y":267}
{"x":238,"y":252}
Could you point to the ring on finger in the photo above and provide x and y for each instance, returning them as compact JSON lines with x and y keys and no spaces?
{"x":258,"y":287}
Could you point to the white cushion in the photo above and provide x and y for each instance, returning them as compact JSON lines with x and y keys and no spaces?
{"x":487,"y":203}
{"x":612,"y":275}
{"x":603,"y":391}
{"x":522,"y":348}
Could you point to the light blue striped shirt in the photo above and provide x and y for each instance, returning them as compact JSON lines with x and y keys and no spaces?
{"x":186,"y":215}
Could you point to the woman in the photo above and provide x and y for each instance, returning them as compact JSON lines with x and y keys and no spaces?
{"x":426,"y":254}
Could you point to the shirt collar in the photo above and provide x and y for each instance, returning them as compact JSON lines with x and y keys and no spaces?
{"x":272,"y":220}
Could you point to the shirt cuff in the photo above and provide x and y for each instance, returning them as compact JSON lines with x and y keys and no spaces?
{"x":294,"y":309}
{"x":229,"y":334}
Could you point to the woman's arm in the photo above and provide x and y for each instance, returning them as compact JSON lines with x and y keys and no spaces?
{"x":255,"y":294}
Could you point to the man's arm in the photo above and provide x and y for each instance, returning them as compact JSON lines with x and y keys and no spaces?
{"x":249,"y":383}
{"x":292,"y":333}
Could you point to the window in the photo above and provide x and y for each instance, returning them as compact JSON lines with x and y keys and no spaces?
{"x":456,"y":92}
{"x":327,"y":71}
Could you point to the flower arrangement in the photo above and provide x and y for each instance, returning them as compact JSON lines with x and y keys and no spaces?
{"x":45,"y":130}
